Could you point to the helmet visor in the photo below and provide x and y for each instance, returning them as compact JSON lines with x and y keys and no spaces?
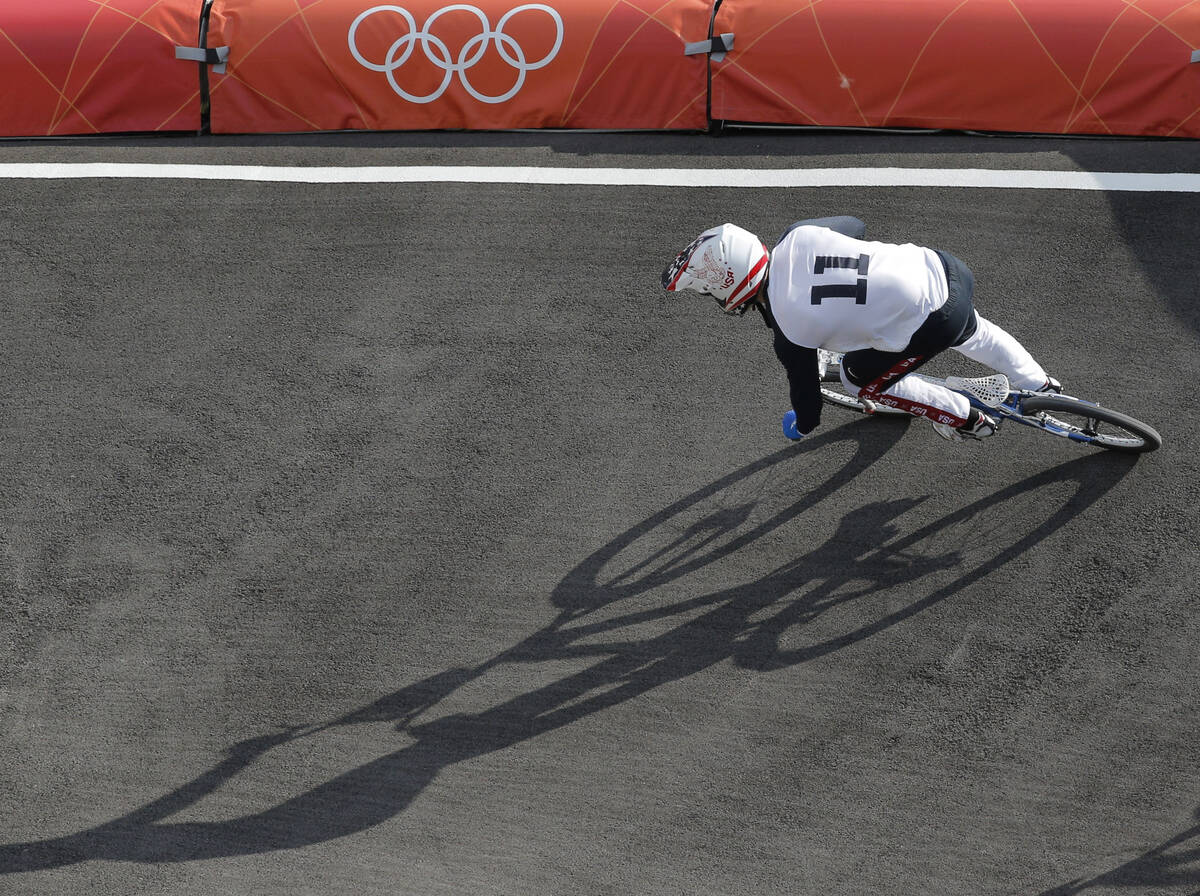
{"x":676,"y":275}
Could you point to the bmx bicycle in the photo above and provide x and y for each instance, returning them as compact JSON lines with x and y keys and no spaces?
{"x":1064,"y":416}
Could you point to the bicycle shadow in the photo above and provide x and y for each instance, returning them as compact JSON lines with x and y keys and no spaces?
{"x":1173,"y":863}
{"x":606,"y":604}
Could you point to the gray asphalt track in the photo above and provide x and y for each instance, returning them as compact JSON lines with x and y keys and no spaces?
{"x":406,"y":539}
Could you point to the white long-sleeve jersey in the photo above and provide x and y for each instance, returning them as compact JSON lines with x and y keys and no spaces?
{"x":831,"y":291}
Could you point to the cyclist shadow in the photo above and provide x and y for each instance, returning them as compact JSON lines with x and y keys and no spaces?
{"x":1172,"y":864}
{"x":627,"y":639}
{"x":849,"y":566}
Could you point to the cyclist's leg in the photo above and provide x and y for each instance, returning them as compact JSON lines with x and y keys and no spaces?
{"x":993,"y":347}
{"x":883,"y":377}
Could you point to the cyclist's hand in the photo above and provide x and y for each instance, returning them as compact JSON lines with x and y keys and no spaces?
{"x":789,"y":427}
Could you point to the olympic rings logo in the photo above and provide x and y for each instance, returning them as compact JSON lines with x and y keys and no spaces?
{"x":438,"y":53}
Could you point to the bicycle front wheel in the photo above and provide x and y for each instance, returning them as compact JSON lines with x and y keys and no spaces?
{"x":1082,"y":421}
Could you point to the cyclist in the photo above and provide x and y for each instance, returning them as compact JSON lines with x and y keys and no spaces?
{"x":889,"y":308}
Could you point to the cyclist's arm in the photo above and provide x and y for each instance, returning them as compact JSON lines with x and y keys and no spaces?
{"x":804,"y":381}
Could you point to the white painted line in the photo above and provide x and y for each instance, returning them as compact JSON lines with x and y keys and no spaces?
{"x":1108,"y":181}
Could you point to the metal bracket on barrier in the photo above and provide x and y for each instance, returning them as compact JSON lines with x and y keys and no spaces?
{"x":1195,"y":55}
{"x":217,"y":57}
{"x":717,"y":47}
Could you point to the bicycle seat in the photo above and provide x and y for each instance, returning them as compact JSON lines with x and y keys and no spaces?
{"x":988,"y":390}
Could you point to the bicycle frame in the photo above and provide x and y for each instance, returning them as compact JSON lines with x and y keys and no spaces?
{"x":1037,"y":410}
{"x":1012,"y":408}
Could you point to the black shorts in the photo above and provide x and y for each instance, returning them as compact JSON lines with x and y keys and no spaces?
{"x":952,"y":324}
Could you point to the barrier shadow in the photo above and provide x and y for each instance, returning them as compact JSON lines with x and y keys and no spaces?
{"x":619,"y":618}
{"x":1090,"y":152}
{"x":1153,"y":224}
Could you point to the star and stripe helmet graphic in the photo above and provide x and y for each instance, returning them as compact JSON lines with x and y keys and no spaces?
{"x":725,"y":262}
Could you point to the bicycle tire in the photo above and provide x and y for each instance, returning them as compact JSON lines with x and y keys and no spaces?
{"x":1083,"y":424}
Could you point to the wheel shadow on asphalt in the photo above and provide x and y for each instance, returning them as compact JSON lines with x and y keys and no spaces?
{"x":605,"y":604}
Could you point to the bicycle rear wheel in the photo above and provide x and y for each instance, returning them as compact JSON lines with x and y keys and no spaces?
{"x":1082,"y":421}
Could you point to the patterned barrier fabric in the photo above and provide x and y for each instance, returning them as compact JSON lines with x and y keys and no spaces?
{"x":431,"y":64}
{"x":81,"y":67}
{"x":1069,"y":66}
{"x":1121,"y":67}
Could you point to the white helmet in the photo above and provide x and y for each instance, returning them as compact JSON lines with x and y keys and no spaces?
{"x":726,"y":262}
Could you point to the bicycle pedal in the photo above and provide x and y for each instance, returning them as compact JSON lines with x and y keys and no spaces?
{"x":987,"y":390}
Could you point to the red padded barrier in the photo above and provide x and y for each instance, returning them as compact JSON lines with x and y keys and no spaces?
{"x":1048,"y":66}
{"x":87,"y":67}
{"x":309,"y":65}
{"x":1067,"y":66}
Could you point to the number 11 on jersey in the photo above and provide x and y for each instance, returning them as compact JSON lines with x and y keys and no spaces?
{"x":856,"y":290}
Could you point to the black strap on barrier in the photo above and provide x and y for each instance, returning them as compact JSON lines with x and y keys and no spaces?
{"x":712,"y":21}
{"x":206,"y":56}
{"x":205,"y":102}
